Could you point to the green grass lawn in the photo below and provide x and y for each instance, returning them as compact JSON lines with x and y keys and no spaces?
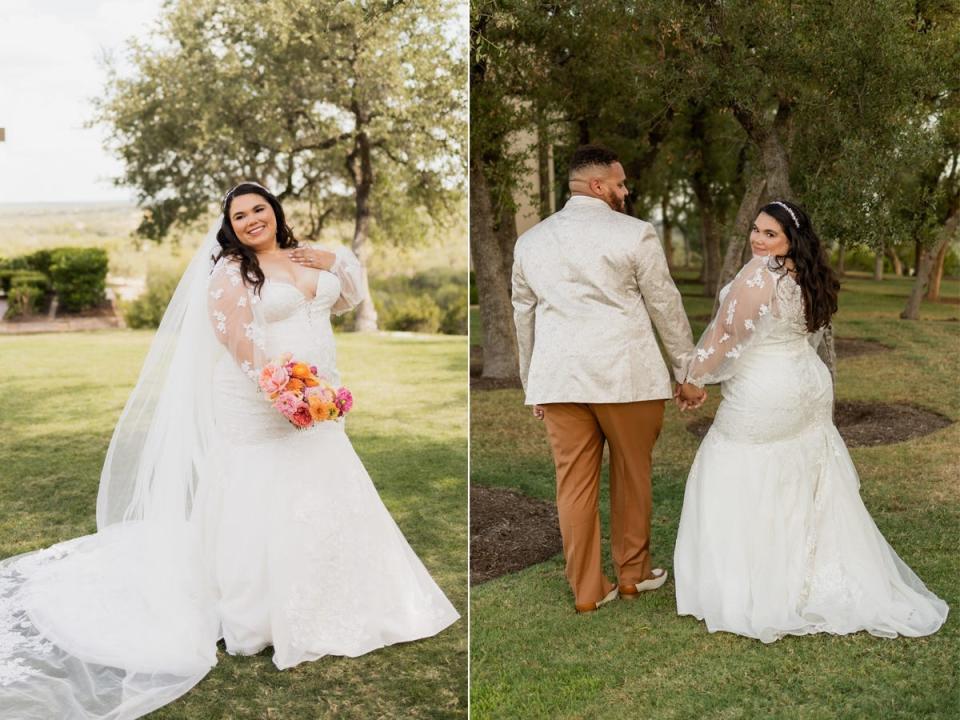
{"x":532,"y":657}
{"x":409,"y":428}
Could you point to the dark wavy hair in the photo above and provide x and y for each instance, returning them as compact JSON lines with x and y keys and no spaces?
{"x":230,"y":245}
{"x":816,"y":278}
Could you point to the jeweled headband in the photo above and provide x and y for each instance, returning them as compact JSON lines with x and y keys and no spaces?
{"x":789,"y":210}
{"x":223,"y":204}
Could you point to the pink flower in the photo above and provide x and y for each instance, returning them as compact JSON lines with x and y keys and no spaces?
{"x":313,"y":369}
{"x":301,"y":416}
{"x":273,"y":379}
{"x":344,"y":400}
{"x":287,"y":403}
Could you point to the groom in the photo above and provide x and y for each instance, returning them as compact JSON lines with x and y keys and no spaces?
{"x":586,"y":283}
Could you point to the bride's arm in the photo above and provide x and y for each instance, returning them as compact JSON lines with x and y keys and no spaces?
{"x":230,"y":306}
{"x":353,"y":288}
{"x":744,"y":315}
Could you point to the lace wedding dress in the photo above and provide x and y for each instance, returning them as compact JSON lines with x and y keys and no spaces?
{"x":243,"y":528}
{"x":774,"y":538}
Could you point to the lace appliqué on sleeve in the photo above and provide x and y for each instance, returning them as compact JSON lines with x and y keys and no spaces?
{"x":236,"y":325}
{"x":744,"y":315}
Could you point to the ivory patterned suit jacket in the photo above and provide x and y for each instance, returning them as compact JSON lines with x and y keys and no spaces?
{"x":587,"y":281}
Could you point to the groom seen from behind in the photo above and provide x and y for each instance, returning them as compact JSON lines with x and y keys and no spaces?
{"x":587,"y":282}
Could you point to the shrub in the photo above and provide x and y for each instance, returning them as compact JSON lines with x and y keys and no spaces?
{"x":9,"y":278}
{"x":79,"y":277}
{"x":413,"y":313}
{"x":23,"y":299}
{"x":428,"y":301}
{"x":147,"y":310}
{"x":474,"y":295}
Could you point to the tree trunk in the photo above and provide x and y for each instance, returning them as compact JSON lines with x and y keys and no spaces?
{"x":545,"y":187}
{"x":895,"y":259}
{"x":506,"y":233}
{"x":842,"y":259}
{"x":667,"y":229}
{"x":926,"y":263}
{"x":746,"y":214}
{"x":878,"y":265}
{"x":361,"y":170}
{"x":493,"y":282}
{"x":937,"y":277}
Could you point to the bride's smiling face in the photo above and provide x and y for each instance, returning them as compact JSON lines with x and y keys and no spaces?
{"x":767,"y":237}
{"x":254,"y":222}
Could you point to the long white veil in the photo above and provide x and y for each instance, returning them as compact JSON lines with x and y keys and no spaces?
{"x":165,"y":430}
{"x":113,"y":625}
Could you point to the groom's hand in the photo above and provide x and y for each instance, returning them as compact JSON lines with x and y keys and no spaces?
{"x":538,"y":412}
{"x":689,"y":397}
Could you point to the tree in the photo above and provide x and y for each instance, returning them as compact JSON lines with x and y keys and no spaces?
{"x":354,"y":109}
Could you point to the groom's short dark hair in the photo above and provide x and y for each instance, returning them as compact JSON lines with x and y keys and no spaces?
{"x":588,"y":155}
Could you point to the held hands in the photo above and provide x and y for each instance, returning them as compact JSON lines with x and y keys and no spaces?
{"x":689,"y":397}
{"x":312,"y":257}
{"x":538,"y":412}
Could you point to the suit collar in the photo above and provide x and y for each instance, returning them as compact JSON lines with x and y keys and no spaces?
{"x":585,"y":201}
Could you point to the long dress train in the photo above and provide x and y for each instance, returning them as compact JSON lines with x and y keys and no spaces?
{"x":774,"y":538}
{"x":283,"y":541}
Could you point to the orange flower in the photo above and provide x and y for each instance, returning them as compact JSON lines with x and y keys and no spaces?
{"x":294,"y":386}
{"x":301,"y":370}
{"x":311,"y":381}
{"x":321,"y":409}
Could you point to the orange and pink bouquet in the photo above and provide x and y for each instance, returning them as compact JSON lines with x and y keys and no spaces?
{"x":300,"y":394}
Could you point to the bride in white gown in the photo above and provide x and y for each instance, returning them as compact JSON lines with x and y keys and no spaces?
{"x":774,"y":538}
{"x":216,"y":517}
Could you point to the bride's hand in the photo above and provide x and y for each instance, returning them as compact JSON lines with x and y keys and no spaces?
{"x":312,"y":257}
{"x":689,"y":397}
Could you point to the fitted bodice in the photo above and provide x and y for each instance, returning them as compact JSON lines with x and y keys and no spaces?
{"x":294,"y":323}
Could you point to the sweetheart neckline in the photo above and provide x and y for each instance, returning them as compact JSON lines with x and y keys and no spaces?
{"x":295,"y":287}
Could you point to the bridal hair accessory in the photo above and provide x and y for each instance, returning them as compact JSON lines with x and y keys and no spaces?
{"x":789,"y":210}
{"x":223,"y":205}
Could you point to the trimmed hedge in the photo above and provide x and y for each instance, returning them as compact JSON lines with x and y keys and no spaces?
{"x":79,"y":277}
{"x":11,"y":278}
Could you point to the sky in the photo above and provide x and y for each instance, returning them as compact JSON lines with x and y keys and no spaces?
{"x":49,"y":71}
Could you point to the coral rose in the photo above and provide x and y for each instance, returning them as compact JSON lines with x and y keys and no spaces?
{"x":301,"y":417}
{"x":273,"y":379}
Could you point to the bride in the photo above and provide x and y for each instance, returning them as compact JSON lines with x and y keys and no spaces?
{"x":217,"y":518}
{"x":774,"y":539}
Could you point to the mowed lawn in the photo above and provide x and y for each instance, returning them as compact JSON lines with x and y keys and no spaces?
{"x":60,"y":395}
{"x":533,"y":657}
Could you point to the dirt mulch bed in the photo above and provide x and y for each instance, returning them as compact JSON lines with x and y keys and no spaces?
{"x":508,"y":532}
{"x":865,"y":424}
{"x":851,"y":347}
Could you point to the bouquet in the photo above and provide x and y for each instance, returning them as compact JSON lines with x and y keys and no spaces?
{"x":300,"y":394}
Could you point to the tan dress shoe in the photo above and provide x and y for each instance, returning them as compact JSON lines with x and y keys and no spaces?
{"x":590,"y":607}
{"x":631,"y":592}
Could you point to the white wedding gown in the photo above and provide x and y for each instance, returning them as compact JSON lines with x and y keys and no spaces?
{"x":774,"y":538}
{"x":286,"y":544}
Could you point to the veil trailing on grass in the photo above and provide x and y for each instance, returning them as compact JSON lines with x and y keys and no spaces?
{"x":116,"y":624}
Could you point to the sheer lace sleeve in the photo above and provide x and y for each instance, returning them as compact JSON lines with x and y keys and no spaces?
{"x":353,"y":286}
{"x":231,"y":305}
{"x":746,"y":312}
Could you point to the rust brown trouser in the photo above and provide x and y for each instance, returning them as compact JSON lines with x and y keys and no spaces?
{"x":577,"y":433}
